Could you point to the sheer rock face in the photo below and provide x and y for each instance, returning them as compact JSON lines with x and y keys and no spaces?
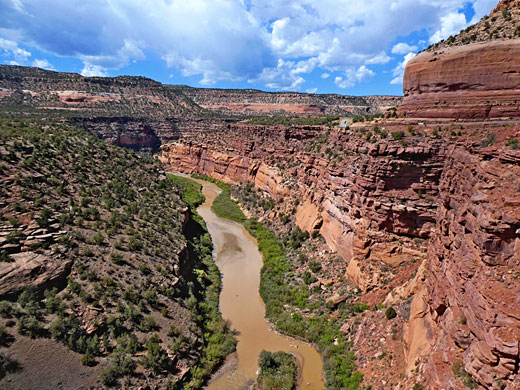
{"x":473,"y":82}
{"x":465,"y":311}
{"x":365,"y":206}
{"x":474,"y":263}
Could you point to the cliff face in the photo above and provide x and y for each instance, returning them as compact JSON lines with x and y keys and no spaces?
{"x":373,"y":204}
{"x":385,"y":205}
{"x":439,"y":85}
{"x":473,"y":291}
{"x":473,"y":75}
{"x":258,"y":103}
{"x":140,"y":113}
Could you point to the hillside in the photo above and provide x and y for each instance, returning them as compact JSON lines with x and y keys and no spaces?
{"x":502,"y":24}
{"x":142,"y":114}
{"x":251,"y":102}
{"x":103,"y":270}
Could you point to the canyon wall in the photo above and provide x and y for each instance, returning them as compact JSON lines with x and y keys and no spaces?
{"x":142,"y":114}
{"x":474,"y":266}
{"x":257,"y":103}
{"x":478,"y":81}
{"x":441,"y":200}
{"x":373,"y":204}
{"x":474,"y":75}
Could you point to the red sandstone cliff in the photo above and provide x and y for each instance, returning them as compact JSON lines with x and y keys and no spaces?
{"x":472,"y":76}
{"x":377,"y":204}
{"x":440,"y":85}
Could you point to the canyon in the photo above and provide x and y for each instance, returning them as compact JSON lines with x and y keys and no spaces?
{"x":416,"y":210}
{"x":429,"y":201}
{"x":141,"y":114}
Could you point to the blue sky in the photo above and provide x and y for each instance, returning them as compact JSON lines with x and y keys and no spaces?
{"x":349,"y":47}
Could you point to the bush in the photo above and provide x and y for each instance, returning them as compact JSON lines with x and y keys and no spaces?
{"x":156,"y":357}
{"x":390,"y":313}
{"x":117,"y":258}
{"x":148,"y":324}
{"x":277,"y":371}
{"x":88,"y":360}
{"x":398,"y":135}
{"x":513,"y":144}
{"x":488,"y":141}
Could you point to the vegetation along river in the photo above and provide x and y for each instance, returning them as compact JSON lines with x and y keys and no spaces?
{"x":240,"y":262}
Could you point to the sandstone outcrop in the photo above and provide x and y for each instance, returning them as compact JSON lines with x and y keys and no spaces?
{"x":364,"y":200}
{"x":379,"y":204}
{"x":140,"y":113}
{"x":439,"y":85}
{"x":471,"y":76}
{"x":257,"y":103}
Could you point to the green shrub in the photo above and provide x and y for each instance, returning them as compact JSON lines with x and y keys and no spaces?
{"x":88,"y":359}
{"x":156,"y":357}
{"x":277,"y":371}
{"x":513,"y":144}
{"x":398,"y":135}
{"x":390,"y":313}
{"x":489,"y":140}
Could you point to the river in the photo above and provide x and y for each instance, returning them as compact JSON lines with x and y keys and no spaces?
{"x":239,"y":260}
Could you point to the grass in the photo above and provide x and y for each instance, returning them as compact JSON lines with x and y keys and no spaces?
{"x":224,"y":206}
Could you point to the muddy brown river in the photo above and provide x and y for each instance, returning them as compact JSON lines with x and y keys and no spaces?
{"x":239,"y":260}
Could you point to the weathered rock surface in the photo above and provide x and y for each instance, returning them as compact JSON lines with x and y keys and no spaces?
{"x":377,"y":204}
{"x":439,"y":85}
{"x":140,"y":113}
{"x":32,"y":269}
{"x":474,"y":285}
{"x":364,"y":202}
{"x":255,"y":102}
{"x":471,"y":76}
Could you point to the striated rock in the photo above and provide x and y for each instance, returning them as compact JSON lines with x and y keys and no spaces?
{"x":440,"y":85}
{"x":378,"y":206}
{"x":474,"y":289}
{"x":32,"y":269}
{"x":365,"y":206}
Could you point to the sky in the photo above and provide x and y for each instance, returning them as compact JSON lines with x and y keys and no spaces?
{"x":349,"y":47}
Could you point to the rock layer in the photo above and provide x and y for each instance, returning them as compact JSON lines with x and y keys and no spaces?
{"x":476,"y":82}
{"x":375,"y":202}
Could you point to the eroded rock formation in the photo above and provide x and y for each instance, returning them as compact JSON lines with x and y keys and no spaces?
{"x":474,"y":75}
{"x":379,"y":204}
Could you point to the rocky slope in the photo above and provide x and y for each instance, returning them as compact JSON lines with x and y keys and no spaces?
{"x":388,"y":199}
{"x":140,"y":113}
{"x":473,"y":75}
{"x":97,"y":259}
{"x":258,"y":103}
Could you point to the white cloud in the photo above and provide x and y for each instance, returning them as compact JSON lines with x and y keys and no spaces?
{"x":403,"y":48}
{"x":90,"y":70}
{"x":354,"y":76}
{"x":282,"y":77}
{"x":230,"y":39}
{"x":312,"y":90}
{"x":482,"y":8}
{"x":450,"y":24}
{"x":44,"y":64}
{"x":8,"y":47}
{"x":398,"y":71}
{"x":325,"y":76}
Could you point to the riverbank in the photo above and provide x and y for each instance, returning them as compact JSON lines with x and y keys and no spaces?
{"x":240,"y":263}
{"x":288,"y":296}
